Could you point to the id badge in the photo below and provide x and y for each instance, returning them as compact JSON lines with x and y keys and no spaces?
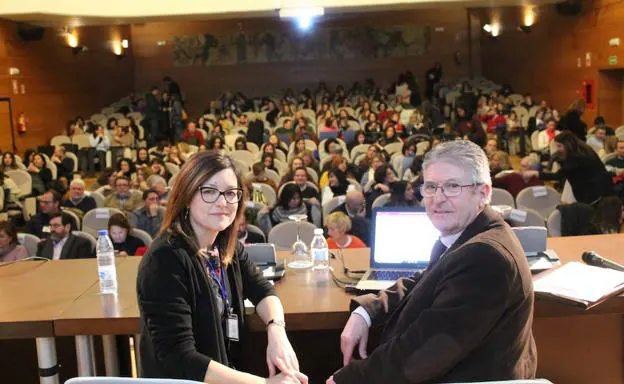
{"x":231,"y":325}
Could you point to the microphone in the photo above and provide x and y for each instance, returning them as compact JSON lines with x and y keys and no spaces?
{"x":592,"y":258}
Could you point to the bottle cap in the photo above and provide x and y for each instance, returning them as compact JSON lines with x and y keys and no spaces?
{"x":103,"y":232}
{"x":318,"y":231}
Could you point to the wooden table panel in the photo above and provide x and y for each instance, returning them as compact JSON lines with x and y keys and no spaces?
{"x":96,"y":314}
{"x":34,"y":293}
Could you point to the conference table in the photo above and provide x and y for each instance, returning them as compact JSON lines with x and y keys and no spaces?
{"x":42,"y":300}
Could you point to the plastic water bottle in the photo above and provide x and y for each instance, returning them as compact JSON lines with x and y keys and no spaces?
{"x":319,"y":250}
{"x":106,"y":263}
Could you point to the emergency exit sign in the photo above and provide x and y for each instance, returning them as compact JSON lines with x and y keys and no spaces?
{"x":613,"y":60}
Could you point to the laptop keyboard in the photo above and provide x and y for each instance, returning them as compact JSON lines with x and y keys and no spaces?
{"x":389,"y":275}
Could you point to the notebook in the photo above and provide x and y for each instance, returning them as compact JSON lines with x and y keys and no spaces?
{"x":401,"y":243}
{"x":579,"y":284}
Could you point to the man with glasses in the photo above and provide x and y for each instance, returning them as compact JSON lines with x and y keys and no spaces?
{"x":49,"y":203}
{"x":355,"y":207}
{"x":62,"y":244}
{"x":123,"y":198}
{"x":468,"y":316}
{"x":77,"y":198}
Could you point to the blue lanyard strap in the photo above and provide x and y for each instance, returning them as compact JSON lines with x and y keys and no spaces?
{"x":218,"y":278}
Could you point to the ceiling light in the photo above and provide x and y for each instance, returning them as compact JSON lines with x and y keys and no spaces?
{"x":301,"y":12}
{"x":124,"y":43}
{"x":487,"y":28}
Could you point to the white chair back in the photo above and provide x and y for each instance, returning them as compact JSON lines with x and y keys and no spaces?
{"x":283,"y":235}
{"x":245,"y":157}
{"x":172,"y":168}
{"x":268,"y":192}
{"x":82,"y":141}
{"x":542,"y":199}
{"x":502,"y":197}
{"x":256,"y":230}
{"x":526,"y":217}
{"x":554,"y":224}
{"x":92,"y":239}
{"x":99,"y":199}
{"x":60,"y":140}
{"x":22,"y":179}
{"x":141,"y":235}
{"x":29,"y":242}
{"x":332,"y":204}
{"x":380,"y":201}
{"x":74,"y":158}
{"x":360,"y":148}
{"x":393,"y":148}
{"x":97,"y":219}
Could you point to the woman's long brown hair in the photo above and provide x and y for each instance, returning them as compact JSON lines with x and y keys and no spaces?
{"x":193,"y":174}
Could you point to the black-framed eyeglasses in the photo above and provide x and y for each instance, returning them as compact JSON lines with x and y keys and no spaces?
{"x":449,"y":189}
{"x":211,"y":195}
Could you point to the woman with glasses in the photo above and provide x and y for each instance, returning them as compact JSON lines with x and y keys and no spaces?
{"x":193,"y":280}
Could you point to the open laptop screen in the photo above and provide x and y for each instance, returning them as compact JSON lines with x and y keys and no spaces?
{"x":401,"y":238}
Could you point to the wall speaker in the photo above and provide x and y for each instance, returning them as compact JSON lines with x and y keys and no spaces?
{"x":29,"y":32}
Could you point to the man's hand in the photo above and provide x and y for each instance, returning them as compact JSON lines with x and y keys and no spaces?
{"x":354,"y":333}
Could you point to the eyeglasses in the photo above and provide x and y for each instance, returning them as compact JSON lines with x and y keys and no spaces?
{"x":46,"y":201}
{"x":211,"y":195}
{"x":449,"y":189}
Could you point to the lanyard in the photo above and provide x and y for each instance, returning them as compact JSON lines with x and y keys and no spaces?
{"x":219,"y":280}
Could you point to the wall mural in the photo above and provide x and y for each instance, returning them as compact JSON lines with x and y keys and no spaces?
{"x":285,"y":46}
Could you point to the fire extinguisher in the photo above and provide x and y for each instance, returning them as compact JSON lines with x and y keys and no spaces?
{"x":22,"y":123}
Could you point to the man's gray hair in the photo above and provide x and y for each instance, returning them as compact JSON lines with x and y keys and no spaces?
{"x":465,"y":154}
{"x":77,"y":182}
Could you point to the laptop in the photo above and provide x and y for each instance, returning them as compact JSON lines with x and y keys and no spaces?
{"x":401,"y":242}
{"x":533,"y":242}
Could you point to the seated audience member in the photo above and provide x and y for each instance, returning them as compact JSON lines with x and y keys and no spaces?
{"x":258,"y":175}
{"x":389,"y":136}
{"x":62,"y":244}
{"x":123,"y":198}
{"x":192,"y":136}
{"x":150,"y":215}
{"x":338,"y":225}
{"x":246,"y":236}
{"x":616,"y":167}
{"x":277,"y":143}
{"x":309,"y":161}
{"x":402,"y":194}
{"x":299,"y":148}
{"x":360,"y":138}
{"x":600,"y":122}
{"x":12,"y":192}
{"x":491,"y":147}
{"x":49,"y":203}
{"x":427,"y":314}
{"x":142,"y":157}
{"x":140,"y":181}
{"x":73,"y":129}
{"x":77,"y":198}
{"x":174,"y":157}
{"x":469,"y":127}
{"x":100,"y":144}
{"x":499,"y":162}
{"x":119,"y":230}
{"x":268,"y":159}
{"x":41,"y":176}
{"x":240,"y":144}
{"x":545,"y":137}
{"x":338,"y":185}
{"x":10,"y":248}
{"x":384,"y":175}
{"x":295,"y":163}
{"x":515,"y":181}
{"x":609,"y":215}
{"x":582,"y":168}
{"x":301,"y":178}
{"x":291,"y":203}
{"x":126,"y":168}
{"x":597,"y":140}
{"x":216,"y":143}
{"x":159,"y":185}
{"x":158,"y":168}
{"x":64,"y":165}
{"x":105,"y":182}
{"x":355,"y":207}
{"x":123,"y":137}
{"x":8,"y":162}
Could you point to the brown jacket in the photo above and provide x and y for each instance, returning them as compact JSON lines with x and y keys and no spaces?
{"x":467,"y":319}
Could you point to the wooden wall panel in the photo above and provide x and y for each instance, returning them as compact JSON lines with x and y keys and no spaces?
{"x":201,"y":83}
{"x":57,"y":84}
{"x":545,"y":62}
